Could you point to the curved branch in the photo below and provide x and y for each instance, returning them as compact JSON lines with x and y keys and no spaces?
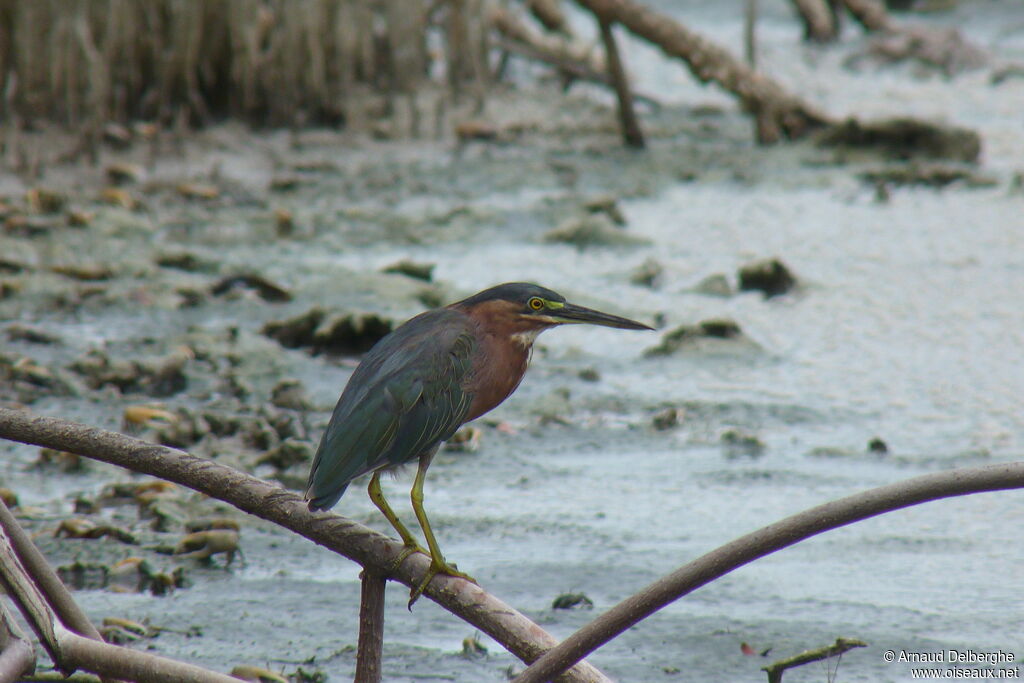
{"x":765,"y":541}
{"x":372,"y":550}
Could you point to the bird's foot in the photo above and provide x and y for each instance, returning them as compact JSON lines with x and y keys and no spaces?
{"x":437,"y":566}
{"x":408,"y":550}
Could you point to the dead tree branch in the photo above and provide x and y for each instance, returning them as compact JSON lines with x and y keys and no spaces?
{"x":836,"y":649}
{"x":371,"y":628}
{"x":782,"y":534}
{"x":372,"y":550}
{"x":17,"y":657}
{"x":628,"y":122}
{"x":71,"y":651}
{"x":777,"y":112}
{"x":820,"y":23}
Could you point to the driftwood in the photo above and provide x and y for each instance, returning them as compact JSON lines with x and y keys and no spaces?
{"x":821,"y":24}
{"x":782,"y":534}
{"x":374,"y":551}
{"x":778,"y":113}
{"x":836,"y":649}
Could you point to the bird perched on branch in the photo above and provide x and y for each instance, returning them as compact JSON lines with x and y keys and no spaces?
{"x":422,"y":382}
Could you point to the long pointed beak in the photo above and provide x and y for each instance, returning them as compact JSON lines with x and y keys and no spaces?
{"x":571,"y":313}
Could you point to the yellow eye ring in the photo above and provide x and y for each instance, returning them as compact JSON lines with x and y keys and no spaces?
{"x":536,"y":303}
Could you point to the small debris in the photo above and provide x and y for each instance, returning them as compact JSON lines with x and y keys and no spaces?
{"x":9,"y":497}
{"x":740,"y":444}
{"x":290,"y":394}
{"x":589,"y":375}
{"x":123,"y":173}
{"x":141,"y":416}
{"x":684,"y":335}
{"x":117,"y":135}
{"x":61,"y":460}
{"x":930,"y":174}
{"x":466,"y":440}
{"x":186,"y":261}
{"x":255,"y":674}
{"x":286,"y":454}
{"x":591,"y":230}
{"x":572,"y":601}
{"x":78,"y":218}
{"x":206,"y":524}
{"x":648,"y":274}
{"x":715,"y":284}
{"x":284,"y":222}
{"x":30,"y":335}
{"x":78,"y":527}
{"x":198,"y":191}
{"x":267,"y":290}
{"x":472,"y":648}
{"x":608,"y":205}
{"x":85,"y":273}
{"x":877,"y":445}
{"x":667,"y":418}
{"x":475,"y":129}
{"x":116,"y":196}
{"x":284,"y":183}
{"x":417,"y":271}
{"x":120,"y":631}
{"x":42,"y":200}
{"x":203,"y":545}
{"x":769,"y":276}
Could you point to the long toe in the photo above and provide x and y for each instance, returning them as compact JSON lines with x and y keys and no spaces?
{"x":408,"y":550}
{"x":436,"y":567}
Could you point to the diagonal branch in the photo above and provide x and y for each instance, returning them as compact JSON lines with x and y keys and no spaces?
{"x":765,"y":541}
{"x":374,"y":551}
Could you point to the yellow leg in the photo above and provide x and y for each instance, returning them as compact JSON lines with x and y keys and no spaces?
{"x":437,"y":562}
{"x":411,"y":546}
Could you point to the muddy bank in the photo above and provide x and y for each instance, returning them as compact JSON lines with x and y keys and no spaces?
{"x":152,"y":309}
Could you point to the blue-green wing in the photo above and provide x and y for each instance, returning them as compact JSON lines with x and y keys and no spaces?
{"x":405,"y":398}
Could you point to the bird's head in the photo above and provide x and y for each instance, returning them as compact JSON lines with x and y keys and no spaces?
{"x":522,"y":310}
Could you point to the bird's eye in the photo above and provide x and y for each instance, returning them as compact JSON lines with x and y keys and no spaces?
{"x":536,"y":303}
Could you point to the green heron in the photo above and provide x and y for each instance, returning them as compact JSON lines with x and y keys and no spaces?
{"x":422,"y":382}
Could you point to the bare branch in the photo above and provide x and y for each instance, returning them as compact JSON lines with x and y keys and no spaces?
{"x":836,"y":649}
{"x":632,"y":136}
{"x":372,"y":550}
{"x":17,"y":657}
{"x":778,"y":113}
{"x":371,"y":628}
{"x":765,"y":541}
{"x":52,"y":588}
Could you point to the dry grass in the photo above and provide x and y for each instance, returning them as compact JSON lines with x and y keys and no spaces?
{"x":267,"y":62}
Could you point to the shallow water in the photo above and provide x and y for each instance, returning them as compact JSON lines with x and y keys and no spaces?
{"x":906,"y":327}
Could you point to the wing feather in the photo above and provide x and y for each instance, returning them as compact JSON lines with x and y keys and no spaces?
{"x":405,"y":398}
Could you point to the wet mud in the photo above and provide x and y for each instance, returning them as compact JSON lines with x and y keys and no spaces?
{"x":216,"y":298}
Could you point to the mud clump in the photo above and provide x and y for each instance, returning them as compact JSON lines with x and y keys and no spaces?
{"x":264,"y":288}
{"x":344,"y":334}
{"x":769,"y":276}
{"x":159,"y":377}
{"x":904,"y":139}
{"x":931,"y":174}
{"x":592,"y":230}
{"x":685,"y":335}
{"x":417,"y":271}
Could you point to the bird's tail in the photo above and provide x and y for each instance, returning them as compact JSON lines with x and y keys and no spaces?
{"x":319,"y":500}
